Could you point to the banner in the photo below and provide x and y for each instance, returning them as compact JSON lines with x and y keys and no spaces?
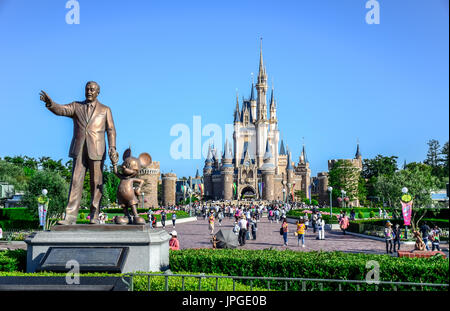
{"x":42,"y":209}
{"x":201,"y":188}
{"x":234,"y":188}
{"x":407,"y":211}
{"x":261,"y":185}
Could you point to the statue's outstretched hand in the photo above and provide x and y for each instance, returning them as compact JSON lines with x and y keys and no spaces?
{"x":45,"y":98}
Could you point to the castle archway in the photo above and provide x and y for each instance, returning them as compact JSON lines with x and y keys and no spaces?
{"x":248,"y":192}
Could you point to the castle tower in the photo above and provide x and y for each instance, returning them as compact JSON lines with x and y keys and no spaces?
{"x":289,"y":174}
{"x":273,"y":110}
{"x":168,"y":187}
{"x":262,"y":124}
{"x":227,"y":172}
{"x":150,"y":174}
{"x":268,"y":171}
{"x":207,"y":174}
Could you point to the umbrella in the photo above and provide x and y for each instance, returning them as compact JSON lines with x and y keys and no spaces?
{"x":226,"y":239}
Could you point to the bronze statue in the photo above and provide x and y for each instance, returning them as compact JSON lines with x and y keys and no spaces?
{"x":91,"y":120}
{"x":420,"y":244}
{"x":127,"y":194}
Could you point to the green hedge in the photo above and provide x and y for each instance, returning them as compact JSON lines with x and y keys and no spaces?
{"x":298,"y":213}
{"x":20,"y":224}
{"x":13,"y":260}
{"x":321,"y":265}
{"x":157,"y":283}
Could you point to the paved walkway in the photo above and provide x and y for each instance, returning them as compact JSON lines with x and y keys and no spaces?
{"x":196,"y":235}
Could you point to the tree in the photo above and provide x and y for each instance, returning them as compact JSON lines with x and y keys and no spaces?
{"x":57,"y":188}
{"x":443,"y":160}
{"x":13,"y":174}
{"x":378,"y":166}
{"x":344,"y":176}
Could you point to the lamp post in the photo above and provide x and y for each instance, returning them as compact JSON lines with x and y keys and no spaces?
{"x":343,"y":195}
{"x":405,"y":191}
{"x":330,"y":189}
{"x":284,"y":195}
{"x":143,"y":202}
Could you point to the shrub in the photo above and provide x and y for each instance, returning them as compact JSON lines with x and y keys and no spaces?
{"x":82,"y":216}
{"x":360,"y":215}
{"x":372,"y":214}
{"x":321,"y":265}
{"x":13,"y":260}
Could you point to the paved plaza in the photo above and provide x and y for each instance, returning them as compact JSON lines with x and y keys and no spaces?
{"x":196,"y":235}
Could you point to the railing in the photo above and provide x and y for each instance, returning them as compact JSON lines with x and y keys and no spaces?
{"x":274,"y":283}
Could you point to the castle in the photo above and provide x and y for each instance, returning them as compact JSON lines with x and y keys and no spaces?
{"x":255,"y":167}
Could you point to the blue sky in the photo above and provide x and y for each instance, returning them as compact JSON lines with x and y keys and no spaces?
{"x":160,"y":63}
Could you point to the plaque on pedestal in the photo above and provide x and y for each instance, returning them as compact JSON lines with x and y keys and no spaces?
{"x":88,"y":259}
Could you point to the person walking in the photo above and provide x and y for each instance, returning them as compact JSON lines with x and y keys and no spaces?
{"x":211,"y":223}
{"x":425,"y":229}
{"x":220,"y":217}
{"x":314,"y":221}
{"x":397,"y":233}
{"x":301,"y":228}
{"x":236,"y":228}
{"x":174,"y":244}
{"x":271,"y":215}
{"x":254,"y":226}
{"x":163,"y":218}
{"x":388,"y":234}
{"x":242,"y":230}
{"x":285,"y":230}
{"x":319,"y":224}
{"x":277,"y":215}
{"x":435,"y":239}
{"x":343,"y":222}
{"x":174,"y":218}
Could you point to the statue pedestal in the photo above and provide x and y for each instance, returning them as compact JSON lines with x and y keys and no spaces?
{"x":144,"y":249}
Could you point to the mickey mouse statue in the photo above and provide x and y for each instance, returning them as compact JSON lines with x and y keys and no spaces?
{"x":127,"y":194}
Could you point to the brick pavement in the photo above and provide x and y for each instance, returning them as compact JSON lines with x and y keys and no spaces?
{"x":196,"y":235}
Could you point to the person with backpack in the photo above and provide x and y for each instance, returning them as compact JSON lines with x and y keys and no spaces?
{"x":174,"y":218}
{"x":271,"y":216}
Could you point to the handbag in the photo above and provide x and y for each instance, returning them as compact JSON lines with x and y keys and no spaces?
{"x":281,"y":231}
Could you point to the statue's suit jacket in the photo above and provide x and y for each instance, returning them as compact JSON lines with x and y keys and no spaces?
{"x":89,"y":130}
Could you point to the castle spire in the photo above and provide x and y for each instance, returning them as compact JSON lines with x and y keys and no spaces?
{"x":237,"y":113}
{"x":289,"y":164}
{"x":358,"y":153}
{"x":282,"y":150}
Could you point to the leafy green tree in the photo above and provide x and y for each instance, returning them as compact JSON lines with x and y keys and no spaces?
{"x":443,"y":160}
{"x":14,"y":175}
{"x":378,"y":166}
{"x":57,"y":188}
{"x":344,"y":176}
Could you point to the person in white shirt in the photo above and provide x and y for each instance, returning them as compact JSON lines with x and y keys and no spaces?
{"x":242,"y":230}
{"x":321,"y":227}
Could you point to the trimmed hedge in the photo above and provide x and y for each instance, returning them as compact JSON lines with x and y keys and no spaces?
{"x":140,"y":283}
{"x":13,"y":260}
{"x":321,"y":265}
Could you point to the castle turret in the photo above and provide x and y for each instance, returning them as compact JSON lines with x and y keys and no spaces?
{"x":207,"y":173}
{"x":268,"y":171}
{"x":273,"y":110}
{"x":227,"y":171}
{"x":168,"y":187}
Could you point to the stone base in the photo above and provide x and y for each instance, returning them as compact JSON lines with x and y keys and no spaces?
{"x":419,"y":254}
{"x":148,"y":249}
